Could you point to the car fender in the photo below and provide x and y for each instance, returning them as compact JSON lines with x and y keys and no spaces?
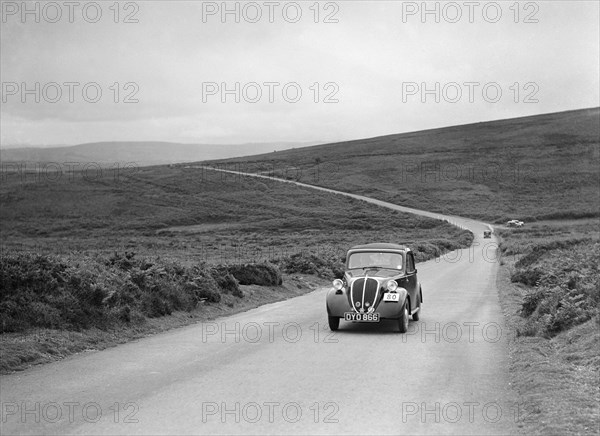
{"x":337,"y":303}
{"x":403,"y":297}
{"x":403,"y":294}
{"x":392,"y":310}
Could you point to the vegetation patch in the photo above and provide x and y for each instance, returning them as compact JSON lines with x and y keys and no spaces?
{"x":327,"y":265}
{"x":330,"y":264}
{"x":548,"y":285}
{"x":42,"y":324}
{"x":264,"y":274}
{"x":564,"y":281}
{"x":73,"y":293}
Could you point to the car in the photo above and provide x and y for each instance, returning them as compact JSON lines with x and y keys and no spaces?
{"x":487,"y":234}
{"x":514,"y":223}
{"x":380,"y":282}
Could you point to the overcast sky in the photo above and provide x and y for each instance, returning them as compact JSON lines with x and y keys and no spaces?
{"x":370,"y":60}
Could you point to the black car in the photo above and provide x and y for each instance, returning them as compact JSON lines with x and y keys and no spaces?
{"x":380,"y":282}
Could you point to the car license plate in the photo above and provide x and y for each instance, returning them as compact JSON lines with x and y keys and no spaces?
{"x":361,"y":317}
{"x":391,"y":297}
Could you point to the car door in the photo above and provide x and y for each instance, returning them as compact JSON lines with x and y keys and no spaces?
{"x":411,"y":280}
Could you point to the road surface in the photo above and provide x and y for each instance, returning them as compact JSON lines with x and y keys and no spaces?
{"x":278,"y":370}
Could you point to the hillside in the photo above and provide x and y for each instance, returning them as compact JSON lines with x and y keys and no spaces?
{"x":195,"y":215}
{"x":529,"y":168}
{"x":140,"y":153}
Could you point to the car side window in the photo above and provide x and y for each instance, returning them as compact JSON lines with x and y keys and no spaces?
{"x":410,"y":263}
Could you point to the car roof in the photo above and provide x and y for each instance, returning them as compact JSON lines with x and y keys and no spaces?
{"x":380,"y":246}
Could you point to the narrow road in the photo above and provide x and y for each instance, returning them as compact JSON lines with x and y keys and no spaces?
{"x":278,"y":370}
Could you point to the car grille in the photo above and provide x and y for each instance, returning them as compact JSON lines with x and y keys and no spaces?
{"x":364,"y":294}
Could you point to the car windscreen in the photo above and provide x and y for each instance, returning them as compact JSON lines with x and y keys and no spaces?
{"x":382,"y":259}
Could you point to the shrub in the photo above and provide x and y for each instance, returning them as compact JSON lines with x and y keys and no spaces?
{"x":528,"y":277}
{"x":540,"y":250}
{"x":531,"y":301}
{"x":567,"y":290}
{"x":44,"y":291}
{"x":262,"y":274}
{"x":205,"y":288}
{"x":122,"y":261}
{"x":328,"y":265}
{"x":425,"y":250}
{"x":226,"y":281}
{"x":80,"y":292}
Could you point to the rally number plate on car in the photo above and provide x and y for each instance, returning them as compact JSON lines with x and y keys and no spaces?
{"x":361,"y":317}
{"x":391,"y":297}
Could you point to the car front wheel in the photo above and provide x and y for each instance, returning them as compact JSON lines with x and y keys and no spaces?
{"x":403,"y":320}
{"x":334,"y":323}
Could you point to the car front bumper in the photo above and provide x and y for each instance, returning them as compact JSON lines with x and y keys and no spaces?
{"x":337,"y":305}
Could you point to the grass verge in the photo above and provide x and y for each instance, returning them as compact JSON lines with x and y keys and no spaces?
{"x":553,"y":343}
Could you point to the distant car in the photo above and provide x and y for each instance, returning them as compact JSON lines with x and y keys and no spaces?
{"x":380,"y":282}
{"x":487,"y":234}
{"x":515,"y":223}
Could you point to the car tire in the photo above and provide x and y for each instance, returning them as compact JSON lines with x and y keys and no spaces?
{"x":334,"y":323}
{"x":403,"y":320}
{"x":416,"y":315}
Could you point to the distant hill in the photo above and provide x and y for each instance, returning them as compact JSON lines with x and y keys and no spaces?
{"x":142,"y":153}
{"x":536,"y":167}
{"x":530,"y":168}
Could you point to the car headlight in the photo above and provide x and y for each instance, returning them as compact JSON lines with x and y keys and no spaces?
{"x":338,"y":284}
{"x":392,"y":285}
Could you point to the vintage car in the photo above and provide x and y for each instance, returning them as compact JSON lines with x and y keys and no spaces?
{"x":380,"y":282}
{"x":487,"y":234}
{"x":514,"y":223}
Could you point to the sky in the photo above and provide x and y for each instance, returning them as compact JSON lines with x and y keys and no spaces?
{"x":244,"y":72}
